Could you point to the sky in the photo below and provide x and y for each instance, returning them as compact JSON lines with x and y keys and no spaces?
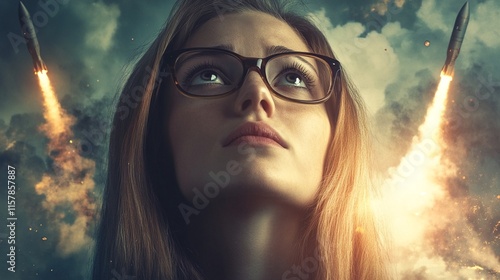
{"x":90,"y":46}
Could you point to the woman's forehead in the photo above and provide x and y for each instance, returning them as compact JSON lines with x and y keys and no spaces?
{"x":250,"y":33}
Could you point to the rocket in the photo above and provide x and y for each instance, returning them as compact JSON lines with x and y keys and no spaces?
{"x":30,"y":35}
{"x":456,"y":40}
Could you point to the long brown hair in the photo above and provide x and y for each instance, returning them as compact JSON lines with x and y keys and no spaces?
{"x":138,"y":236}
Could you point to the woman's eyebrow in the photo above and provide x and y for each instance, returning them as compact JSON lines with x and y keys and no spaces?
{"x":277,"y":49}
{"x":269,"y":50}
{"x":282,"y":49}
{"x":227,"y":47}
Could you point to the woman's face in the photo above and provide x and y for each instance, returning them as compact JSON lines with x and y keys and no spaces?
{"x":225,"y":145}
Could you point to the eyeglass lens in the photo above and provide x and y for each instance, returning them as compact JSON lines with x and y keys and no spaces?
{"x":209,"y":73}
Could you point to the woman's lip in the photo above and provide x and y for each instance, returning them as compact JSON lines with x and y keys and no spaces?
{"x":253,"y":140}
{"x":256,"y":133}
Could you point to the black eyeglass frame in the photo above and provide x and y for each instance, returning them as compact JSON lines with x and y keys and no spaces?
{"x":170,"y":58}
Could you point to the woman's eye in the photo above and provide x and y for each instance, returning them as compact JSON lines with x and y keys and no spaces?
{"x":206,"y":77}
{"x":291,"y":79}
{"x":295,"y":79}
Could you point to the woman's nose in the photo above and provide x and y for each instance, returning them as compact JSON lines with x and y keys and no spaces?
{"x":254,"y":95}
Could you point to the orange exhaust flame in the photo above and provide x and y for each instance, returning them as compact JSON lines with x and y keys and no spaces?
{"x":419,"y":209}
{"x":57,"y":120}
{"x":68,"y":190}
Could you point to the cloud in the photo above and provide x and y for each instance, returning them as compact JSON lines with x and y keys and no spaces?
{"x":480,"y":29}
{"x":370,"y":61}
{"x":102,"y":23}
{"x":432,"y":17}
{"x":100,"y":27}
{"x":382,"y":7}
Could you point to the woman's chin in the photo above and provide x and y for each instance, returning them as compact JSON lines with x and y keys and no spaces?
{"x":255,"y":182}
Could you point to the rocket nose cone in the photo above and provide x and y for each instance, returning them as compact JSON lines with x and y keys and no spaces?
{"x":465,"y":9}
{"x":22,"y":10}
{"x":21,"y":6}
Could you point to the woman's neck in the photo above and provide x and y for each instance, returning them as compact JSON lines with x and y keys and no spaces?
{"x":247,"y":237}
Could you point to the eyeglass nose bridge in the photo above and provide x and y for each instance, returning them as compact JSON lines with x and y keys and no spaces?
{"x":253,"y":63}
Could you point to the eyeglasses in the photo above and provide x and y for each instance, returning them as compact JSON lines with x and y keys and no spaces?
{"x":295,"y":76}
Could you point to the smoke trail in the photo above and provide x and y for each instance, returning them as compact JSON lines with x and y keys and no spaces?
{"x":68,"y":187}
{"x":422,"y":212}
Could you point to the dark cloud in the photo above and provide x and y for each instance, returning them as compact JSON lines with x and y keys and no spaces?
{"x":406,"y":110}
{"x":369,"y":13}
